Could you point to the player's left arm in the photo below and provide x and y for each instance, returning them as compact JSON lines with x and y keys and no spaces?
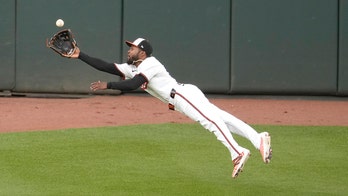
{"x":99,"y":64}
{"x":124,"y":85}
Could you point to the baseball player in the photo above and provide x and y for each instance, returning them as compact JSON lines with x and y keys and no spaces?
{"x":145,"y":71}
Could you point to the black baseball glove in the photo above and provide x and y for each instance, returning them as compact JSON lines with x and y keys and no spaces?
{"x":63,"y":43}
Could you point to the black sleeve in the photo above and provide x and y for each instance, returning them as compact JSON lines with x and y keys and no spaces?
{"x":100,"y":64}
{"x":128,"y":85}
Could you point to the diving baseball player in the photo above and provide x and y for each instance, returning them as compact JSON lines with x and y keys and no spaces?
{"x":145,"y":71}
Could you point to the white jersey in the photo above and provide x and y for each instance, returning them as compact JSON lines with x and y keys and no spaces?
{"x":159,"y":84}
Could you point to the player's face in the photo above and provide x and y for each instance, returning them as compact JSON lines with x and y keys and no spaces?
{"x":133,"y":54}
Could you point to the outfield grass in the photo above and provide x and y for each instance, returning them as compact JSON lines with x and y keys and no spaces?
{"x":170,"y":159}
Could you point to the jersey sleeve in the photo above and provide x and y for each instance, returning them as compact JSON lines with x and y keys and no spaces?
{"x":149,"y":69}
{"x":126,"y":70}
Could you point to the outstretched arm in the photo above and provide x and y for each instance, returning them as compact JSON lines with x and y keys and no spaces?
{"x":100,"y":64}
{"x":97,"y":63}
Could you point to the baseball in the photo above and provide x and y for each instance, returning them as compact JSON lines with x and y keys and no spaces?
{"x":60,"y":23}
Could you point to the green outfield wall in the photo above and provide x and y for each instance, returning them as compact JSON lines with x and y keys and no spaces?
{"x":7,"y":45}
{"x":223,"y":46}
{"x":342,"y":76}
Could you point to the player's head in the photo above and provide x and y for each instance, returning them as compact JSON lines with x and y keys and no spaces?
{"x":138,"y":50}
{"x":142,"y":44}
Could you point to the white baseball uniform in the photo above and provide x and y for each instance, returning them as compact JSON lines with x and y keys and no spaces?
{"x":189,"y":100}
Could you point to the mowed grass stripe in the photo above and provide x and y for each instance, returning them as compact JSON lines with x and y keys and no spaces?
{"x":170,"y":159}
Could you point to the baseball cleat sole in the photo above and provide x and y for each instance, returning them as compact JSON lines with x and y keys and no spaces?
{"x":265,"y":147}
{"x":239,"y":163}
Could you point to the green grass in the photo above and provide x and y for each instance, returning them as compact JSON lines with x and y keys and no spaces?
{"x":170,"y":159}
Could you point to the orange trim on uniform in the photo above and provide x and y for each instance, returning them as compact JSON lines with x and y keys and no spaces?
{"x":144,"y":86}
{"x":171,"y":106}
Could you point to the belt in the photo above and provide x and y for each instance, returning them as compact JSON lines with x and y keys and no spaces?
{"x":172,"y":95}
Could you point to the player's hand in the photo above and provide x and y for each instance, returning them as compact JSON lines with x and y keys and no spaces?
{"x":76,"y":53}
{"x":98,"y":86}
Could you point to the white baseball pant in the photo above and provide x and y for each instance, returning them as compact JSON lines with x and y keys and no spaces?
{"x":189,"y":100}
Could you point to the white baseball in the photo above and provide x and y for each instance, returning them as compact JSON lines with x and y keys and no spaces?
{"x":60,"y":23}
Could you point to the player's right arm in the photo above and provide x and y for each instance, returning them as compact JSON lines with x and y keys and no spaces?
{"x":124,"y":85}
